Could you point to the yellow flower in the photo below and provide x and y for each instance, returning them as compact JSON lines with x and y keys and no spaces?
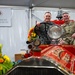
{"x":33,"y":34}
{"x":29,"y":38}
{"x":6,"y":58}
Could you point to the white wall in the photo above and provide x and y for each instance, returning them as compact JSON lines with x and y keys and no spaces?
{"x":14,"y":38}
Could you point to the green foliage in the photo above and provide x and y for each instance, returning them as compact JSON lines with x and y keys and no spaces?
{"x":5,"y":67}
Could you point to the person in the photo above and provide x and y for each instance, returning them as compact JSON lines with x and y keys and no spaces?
{"x":68,"y":36}
{"x":41,"y":29}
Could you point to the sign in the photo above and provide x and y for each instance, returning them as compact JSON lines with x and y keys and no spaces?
{"x":63,"y":57}
{"x":5,"y":16}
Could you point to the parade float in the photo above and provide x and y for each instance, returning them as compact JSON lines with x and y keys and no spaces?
{"x":5,"y":62}
{"x":49,"y":59}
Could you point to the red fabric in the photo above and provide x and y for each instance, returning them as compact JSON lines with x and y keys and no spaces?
{"x":43,"y":46}
{"x":58,"y":22}
{"x":37,"y":53}
{"x":26,"y":55}
{"x":70,"y":48}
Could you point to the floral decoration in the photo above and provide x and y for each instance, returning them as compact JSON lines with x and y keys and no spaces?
{"x":5,"y":62}
{"x":32,"y":35}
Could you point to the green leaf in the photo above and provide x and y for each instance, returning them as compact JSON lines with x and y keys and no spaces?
{"x":0,"y":72}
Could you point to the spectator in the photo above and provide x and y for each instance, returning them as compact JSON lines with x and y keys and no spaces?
{"x":69,"y":28}
{"x":41,"y":29}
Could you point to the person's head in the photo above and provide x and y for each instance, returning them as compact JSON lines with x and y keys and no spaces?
{"x":66,"y":16}
{"x":47,"y":17}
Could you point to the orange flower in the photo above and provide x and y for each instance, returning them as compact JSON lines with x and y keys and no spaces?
{"x":1,"y":60}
